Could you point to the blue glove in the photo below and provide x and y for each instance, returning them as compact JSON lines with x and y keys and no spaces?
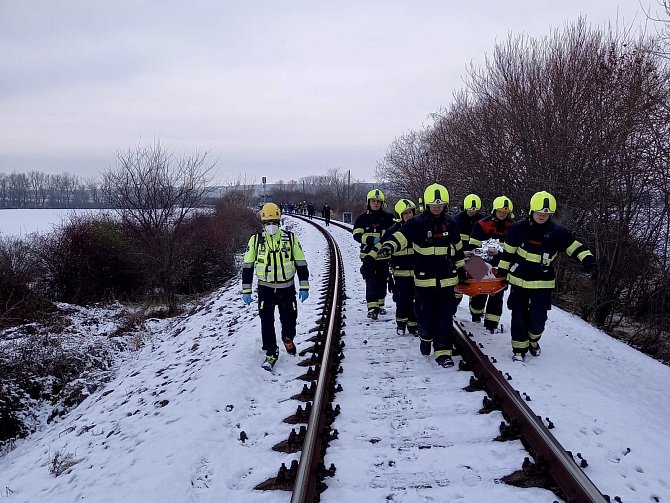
{"x":246,"y":297}
{"x":377,"y":239}
{"x":302,"y":295}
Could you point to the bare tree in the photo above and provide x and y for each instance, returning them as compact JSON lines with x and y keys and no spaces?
{"x":153,"y":192}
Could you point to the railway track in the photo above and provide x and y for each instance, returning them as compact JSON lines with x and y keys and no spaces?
{"x":401,"y":396}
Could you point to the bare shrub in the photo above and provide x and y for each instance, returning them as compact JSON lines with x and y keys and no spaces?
{"x":154,"y":192}
{"x":62,"y":461}
{"x":90,"y":259}
{"x":21,"y":298}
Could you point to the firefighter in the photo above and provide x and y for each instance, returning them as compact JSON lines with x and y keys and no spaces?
{"x":401,"y":280}
{"x":369,"y":228}
{"x":531,"y":246}
{"x":494,"y":226}
{"x":276,"y":256}
{"x":438,"y":267}
{"x":465,"y":220}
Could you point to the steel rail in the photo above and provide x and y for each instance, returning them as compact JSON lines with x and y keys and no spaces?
{"x":305,"y":483}
{"x":574,"y":483}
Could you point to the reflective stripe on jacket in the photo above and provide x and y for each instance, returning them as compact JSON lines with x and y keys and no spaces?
{"x":530,"y":250}
{"x":371,"y":225}
{"x":438,"y":251}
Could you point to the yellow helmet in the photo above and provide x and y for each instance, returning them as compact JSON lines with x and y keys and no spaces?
{"x":270,"y":211}
{"x":472,"y":202}
{"x":403,"y":205}
{"x":435,"y":194}
{"x":375,"y":194}
{"x":503,"y":203}
{"x":543,"y":202}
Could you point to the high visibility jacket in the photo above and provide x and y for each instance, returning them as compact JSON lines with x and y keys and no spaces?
{"x":371,"y":225}
{"x":465,"y":224}
{"x":276,"y":259}
{"x":530,"y":250}
{"x":489,"y":227}
{"x":402,"y":261}
{"x":438,"y":251}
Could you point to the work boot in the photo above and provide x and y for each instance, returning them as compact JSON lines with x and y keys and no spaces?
{"x":535,"y":350}
{"x":476,"y":318}
{"x":381,"y":310}
{"x":400,"y":329}
{"x":372,"y":313}
{"x":490,"y":326}
{"x":518,"y":357}
{"x":270,"y":360}
{"x":412,"y":329}
{"x":425,"y":347}
{"x":445,"y":361}
{"x":290,"y":346}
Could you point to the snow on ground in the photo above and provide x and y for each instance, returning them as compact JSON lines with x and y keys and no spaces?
{"x":167,"y":427}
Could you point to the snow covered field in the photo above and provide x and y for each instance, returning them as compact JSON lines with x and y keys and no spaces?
{"x":19,"y":223}
{"x":167,"y":427}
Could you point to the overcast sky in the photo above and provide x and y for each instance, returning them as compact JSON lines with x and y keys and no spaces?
{"x":278,"y":88}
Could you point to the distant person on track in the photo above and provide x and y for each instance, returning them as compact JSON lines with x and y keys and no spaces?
{"x":310,"y":211}
{"x":465,"y":220}
{"x":438,"y":266}
{"x":276,"y":256}
{"x":401,"y":281}
{"x":326,"y":213}
{"x":493,"y":227}
{"x":530,"y":248}
{"x":369,"y":228}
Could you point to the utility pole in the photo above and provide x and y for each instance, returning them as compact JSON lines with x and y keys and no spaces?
{"x":265,"y":199}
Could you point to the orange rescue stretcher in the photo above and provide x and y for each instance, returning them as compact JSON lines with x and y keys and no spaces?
{"x":487,"y":286}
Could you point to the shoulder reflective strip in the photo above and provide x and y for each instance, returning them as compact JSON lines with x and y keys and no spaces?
{"x":584,"y":254}
{"x":475,"y":241}
{"x":573,"y":247}
{"x":531,"y":285}
{"x":465,"y":238}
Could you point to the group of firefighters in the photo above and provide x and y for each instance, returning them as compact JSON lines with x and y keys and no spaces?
{"x":419,"y":254}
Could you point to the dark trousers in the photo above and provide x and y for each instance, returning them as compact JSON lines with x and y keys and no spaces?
{"x":375,"y":284}
{"x":493,"y":305}
{"x":435,"y":309}
{"x":403,"y":296}
{"x":285,"y":300}
{"x":529,"y":314}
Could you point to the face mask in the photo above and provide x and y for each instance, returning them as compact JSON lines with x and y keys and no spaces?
{"x":271,"y":229}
